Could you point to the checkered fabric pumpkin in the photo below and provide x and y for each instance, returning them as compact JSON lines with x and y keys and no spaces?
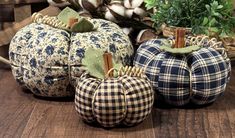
{"x":199,"y":77}
{"x":47,"y":60}
{"x":124,"y":100}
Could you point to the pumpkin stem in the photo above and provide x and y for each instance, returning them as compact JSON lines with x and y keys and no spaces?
{"x":72,"y":21}
{"x":108,"y":64}
{"x":180,"y":38}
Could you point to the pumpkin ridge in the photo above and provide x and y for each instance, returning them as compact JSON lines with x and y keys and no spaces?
{"x":167,"y":86}
{"x":131,"y":86}
{"x":100,"y":112}
{"x":85,"y":110}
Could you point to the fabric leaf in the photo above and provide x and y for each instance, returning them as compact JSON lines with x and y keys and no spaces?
{"x":94,"y":63}
{"x":66,"y":14}
{"x":83,"y":25}
{"x":184,"y":50}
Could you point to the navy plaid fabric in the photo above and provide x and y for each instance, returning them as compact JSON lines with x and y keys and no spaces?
{"x":209,"y":75}
{"x":127,"y":100}
{"x":170,"y":74}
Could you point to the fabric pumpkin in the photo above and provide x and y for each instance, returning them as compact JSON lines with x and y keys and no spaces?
{"x":47,"y":60}
{"x":200,"y":76}
{"x":124,"y":100}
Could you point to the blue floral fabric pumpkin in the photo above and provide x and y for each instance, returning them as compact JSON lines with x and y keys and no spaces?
{"x":198,"y":77}
{"x":47,"y":60}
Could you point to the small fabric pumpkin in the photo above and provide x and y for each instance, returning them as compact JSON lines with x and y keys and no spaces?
{"x":112,"y":99}
{"x":126,"y":100}
{"x":46,"y":56}
{"x":199,"y":76}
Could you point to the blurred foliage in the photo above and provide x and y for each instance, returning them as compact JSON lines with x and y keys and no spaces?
{"x":210,"y":17}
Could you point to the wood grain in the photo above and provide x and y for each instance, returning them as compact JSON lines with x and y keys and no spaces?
{"x":23,"y":115}
{"x":15,"y":106}
{"x":6,"y":13}
{"x":22,"y":12}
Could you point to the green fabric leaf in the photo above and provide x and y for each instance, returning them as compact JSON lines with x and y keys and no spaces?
{"x":83,"y":25}
{"x":184,"y":50}
{"x":94,"y":63}
{"x":66,"y":14}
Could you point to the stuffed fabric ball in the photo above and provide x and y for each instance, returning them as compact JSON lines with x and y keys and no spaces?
{"x":200,"y":76}
{"x":124,"y":100}
{"x":47,"y":60}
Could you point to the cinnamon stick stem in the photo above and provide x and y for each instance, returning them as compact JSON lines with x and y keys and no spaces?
{"x":72,"y":21}
{"x":180,"y":38}
{"x":108,"y":64}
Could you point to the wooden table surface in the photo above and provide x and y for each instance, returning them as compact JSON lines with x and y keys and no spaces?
{"x":23,"y":115}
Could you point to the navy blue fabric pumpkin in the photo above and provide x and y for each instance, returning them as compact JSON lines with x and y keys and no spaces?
{"x":47,"y":60}
{"x":198,"y":77}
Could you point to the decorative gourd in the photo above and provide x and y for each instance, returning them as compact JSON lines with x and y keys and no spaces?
{"x":126,"y":99}
{"x":196,"y":74}
{"x":46,"y":55}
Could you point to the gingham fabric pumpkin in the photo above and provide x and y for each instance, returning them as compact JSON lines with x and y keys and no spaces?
{"x":124,"y":100}
{"x":47,"y":60}
{"x":200,"y":76}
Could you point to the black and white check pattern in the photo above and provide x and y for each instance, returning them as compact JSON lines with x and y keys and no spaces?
{"x":170,"y":74}
{"x":125,"y":100}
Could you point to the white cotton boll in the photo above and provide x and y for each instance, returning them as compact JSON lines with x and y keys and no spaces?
{"x":109,"y":16}
{"x":96,"y":3}
{"x":61,"y":3}
{"x":127,"y":3}
{"x":90,"y":5}
{"x":140,"y":12}
{"x":118,"y":9}
{"x":129,"y":13}
{"x":136,"y":3}
{"x":127,"y":31}
{"x":80,"y":3}
{"x":133,"y":3}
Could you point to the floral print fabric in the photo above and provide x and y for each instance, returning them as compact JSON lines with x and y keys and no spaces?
{"x":47,"y":60}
